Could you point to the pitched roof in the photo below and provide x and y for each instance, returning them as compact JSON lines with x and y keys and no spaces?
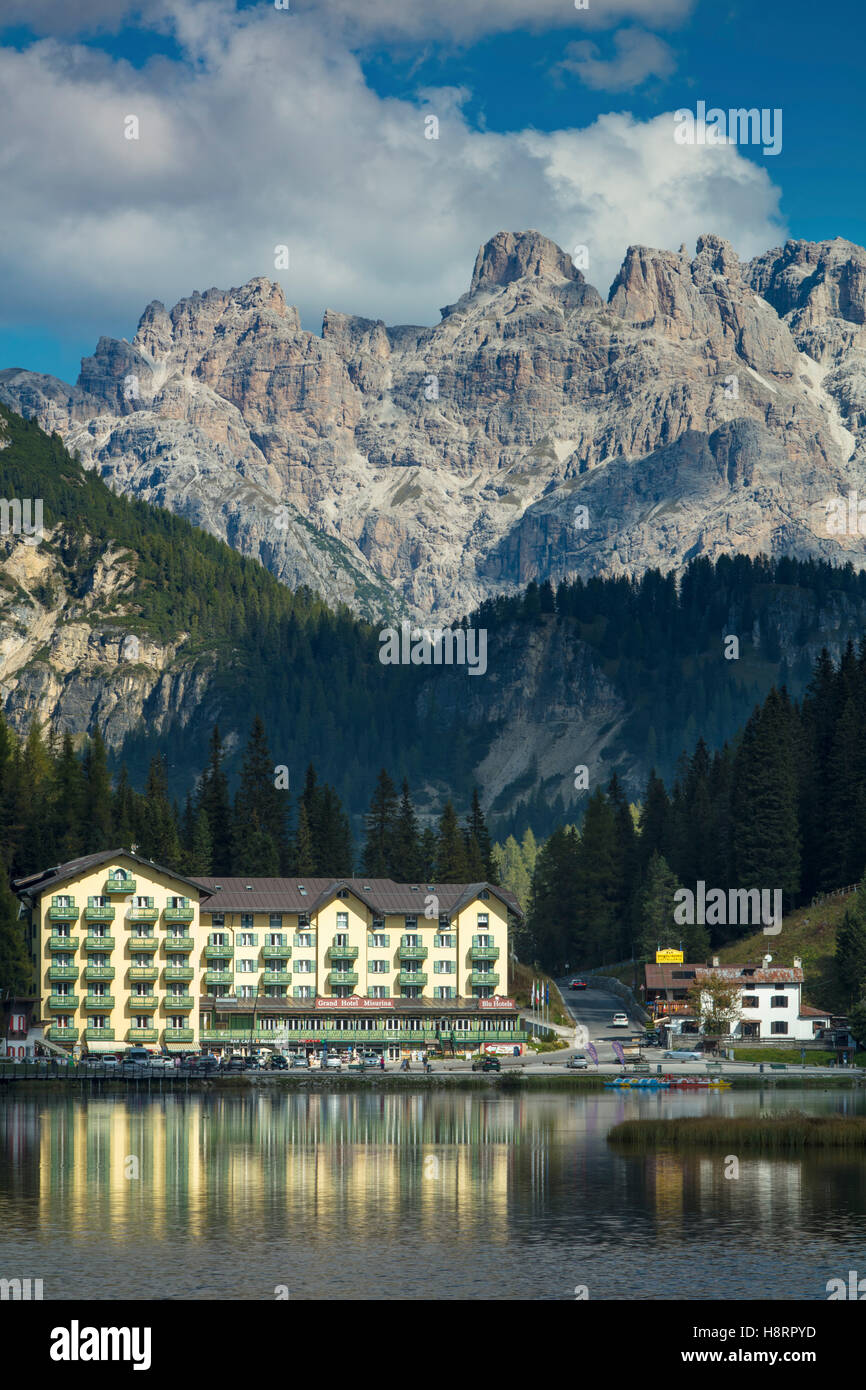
{"x":61,"y":873}
{"x":381,"y":895}
{"x":663,"y":976}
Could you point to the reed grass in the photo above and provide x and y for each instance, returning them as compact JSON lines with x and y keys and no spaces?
{"x":790,"y":1130}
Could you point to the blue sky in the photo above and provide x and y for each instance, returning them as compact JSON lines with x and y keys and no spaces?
{"x":307,"y":127}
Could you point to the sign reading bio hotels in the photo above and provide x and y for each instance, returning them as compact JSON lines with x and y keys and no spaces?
{"x":669,"y":957}
{"x":496,"y":1003}
{"x":354,"y":1001}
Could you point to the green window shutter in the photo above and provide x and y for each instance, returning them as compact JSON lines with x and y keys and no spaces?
{"x":254,"y":939}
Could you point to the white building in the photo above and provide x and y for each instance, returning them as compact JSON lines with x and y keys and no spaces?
{"x":770,"y":999}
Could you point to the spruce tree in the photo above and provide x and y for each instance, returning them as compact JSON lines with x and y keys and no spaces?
{"x":380,"y":825}
{"x":304,"y":852}
{"x":16,"y":970}
{"x":407,"y":864}
{"x":851,"y":947}
{"x":98,"y":818}
{"x":213,"y":799}
{"x":160,"y":837}
{"x":478,"y":846}
{"x":451,"y":866}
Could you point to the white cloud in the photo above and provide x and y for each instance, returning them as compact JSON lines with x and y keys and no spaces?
{"x":639,"y":55}
{"x":270,"y":135}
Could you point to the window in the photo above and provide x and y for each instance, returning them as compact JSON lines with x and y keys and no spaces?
{"x":446,"y":942}
{"x":246,"y":992}
{"x":342,"y":921}
{"x":142,"y":902}
{"x":305,"y":939}
{"x":61,"y":900}
{"x":779,"y":1026}
{"x":217,"y":919}
{"x":378,"y":967}
{"x":98,"y":901}
{"x":779,"y":1001}
{"x":245,"y":966}
{"x":444,"y":992}
{"x":341,"y":939}
{"x":410,"y":923}
{"x":483,"y":941}
{"x":751,"y":1001}
{"x":305,"y":967}
{"x":143,"y":930}
{"x":482,"y":919}
{"x":177,"y":1021}
{"x":98,"y":1021}
{"x":411,"y":941}
{"x":276,"y":921}
{"x":379,"y":941}
{"x":269,"y":1025}
{"x":248,"y":938}
{"x":484,"y":895}
{"x":380,"y":992}
{"x":303,"y":992}
{"x":140,"y":991}
{"x":217,"y":939}
{"x":142,"y":1021}
{"x":444,"y":967}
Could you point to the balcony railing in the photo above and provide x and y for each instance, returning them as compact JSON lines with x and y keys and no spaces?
{"x":179,"y":914}
{"x":56,"y":1034}
{"x":218,"y":977}
{"x":412,"y":977}
{"x":178,"y":1035}
{"x":412,"y":952}
{"x":63,"y":972}
{"x":99,"y":1002}
{"x":99,"y":943}
{"x":142,"y":1003}
{"x":276,"y":977}
{"x":63,"y":943}
{"x":345,"y":1037}
{"x":177,"y":974}
{"x":484,"y":953}
{"x":98,"y":972}
{"x":99,"y":914}
{"x":178,"y":1003}
{"x":143,"y":943}
{"x":119,"y":885}
{"x":218,"y":952}
{"x":99,"y":1035}
{"x":179,"y":943}
{"x":142,"y":914}
{"x":142,"y":1035}
{"x":143,"y":973}
{"x":63,"y":1003}
{"x":336,"y":952}
{"x":63,"y":914}
{"x":277,"y":952}
{"x":483,"y":977}
{"x":342,"y":977}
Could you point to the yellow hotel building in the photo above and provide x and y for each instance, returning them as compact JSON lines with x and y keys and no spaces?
{"x":126,"y":952}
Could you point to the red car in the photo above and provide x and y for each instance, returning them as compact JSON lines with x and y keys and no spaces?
{"x":577,"y":984}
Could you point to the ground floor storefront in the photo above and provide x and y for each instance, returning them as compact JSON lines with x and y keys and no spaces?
{"x":393,"y":1029}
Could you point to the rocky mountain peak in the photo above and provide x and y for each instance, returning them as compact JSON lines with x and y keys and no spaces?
{"x":510,"y":256}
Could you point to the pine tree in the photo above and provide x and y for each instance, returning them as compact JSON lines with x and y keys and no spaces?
{"x":160,"y":840}
{"x":851,"y":947}
{"x":599,"y":935}
{"x":67,"y":803}
{"x":451,"y":864}
{"x":200,"y":857}
{"x":478,"y":846}
{"x":407,"y":865}
{"x":213,"y":799}
{"x":766,"y":847}
{"x":16,"y":970}
{"x":380,"y":825}
{"x":305,"y":864}
{"x":98,"y":819}
{"x":552,"y":920}
{"x":259,"y":837}
{"x":656,"y":911}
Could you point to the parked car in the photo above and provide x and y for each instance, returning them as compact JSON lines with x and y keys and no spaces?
{"x":206,"y":1065}
{"x":486,"y":1064}
{"x":577,"y":984}
{"x":277,"y":1062}
{"x":159,"y":1065}
{"x":300,"y":1062}
{"x":676,"y":1056}
{"x":652,"y":1038}
{"x":578,"y":1062}
{"x":370,"y":1057}
{"x":235,"y":1063}
{"x":136,"y":1057}
{"x":333,"y":1063}
{"x":619,"y":1021}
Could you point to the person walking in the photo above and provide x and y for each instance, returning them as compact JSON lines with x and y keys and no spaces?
{"x":382,"y":1062}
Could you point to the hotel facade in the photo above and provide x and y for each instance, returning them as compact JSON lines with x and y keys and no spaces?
{"x":127,"y":953}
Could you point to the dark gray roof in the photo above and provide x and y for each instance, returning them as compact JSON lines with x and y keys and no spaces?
{"x":381,"y":895}
{"x":61,"y":873}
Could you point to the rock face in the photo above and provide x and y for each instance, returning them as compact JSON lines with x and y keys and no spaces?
{"x":536,"y":431}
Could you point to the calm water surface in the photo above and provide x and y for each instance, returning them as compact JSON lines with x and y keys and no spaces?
{"x":444,"y":1195}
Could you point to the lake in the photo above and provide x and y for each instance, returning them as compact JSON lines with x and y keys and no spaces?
{"x":446,"y":1195}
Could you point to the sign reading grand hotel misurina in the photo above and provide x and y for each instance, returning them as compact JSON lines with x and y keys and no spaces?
{"x":354,"y":1001}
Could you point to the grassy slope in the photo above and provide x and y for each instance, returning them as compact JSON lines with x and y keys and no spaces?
{"x":809,"y":933}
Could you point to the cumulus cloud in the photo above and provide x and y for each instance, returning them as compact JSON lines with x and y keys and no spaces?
{"x":268,"y":134}
{"x":639,"y":55}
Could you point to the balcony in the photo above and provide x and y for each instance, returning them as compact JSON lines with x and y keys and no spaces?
{"x":178,"y":974}
{"x":101,"y":1003}
{"x":63,"y":914}
{"x":99,"y":972}
{"x":342,"y":952}
{"x":412,"y":977}
{"x":63,"y":943}
{"x":412,"y":952}
{"x":143,"y":973}
{"x":179,"y":914}
{"x":142,"y":914}
{"x":179,"y":944}
{"x":219,"y":977}
{"x":99,"y":943}
{"x":56,"y":1034}
{"x":63,"y":972}
{"x":99,"y":914}
{"x":142,"y":1035}
{"x":143,"y":943}
{"x":218,"y":952}
{"x":482,"y":953}
{"x":63,"y":1003}
{"x":342,"y":977}
{"x":178,"y":1003}
{"x":277,"y":952}
{"x":119,"y":885}
{"x":178,"y":1035}
{"x":142,"y":1003}
{"x":483,"y":977}
{"x":99,"y":1035}
{"x":278,"y":977}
